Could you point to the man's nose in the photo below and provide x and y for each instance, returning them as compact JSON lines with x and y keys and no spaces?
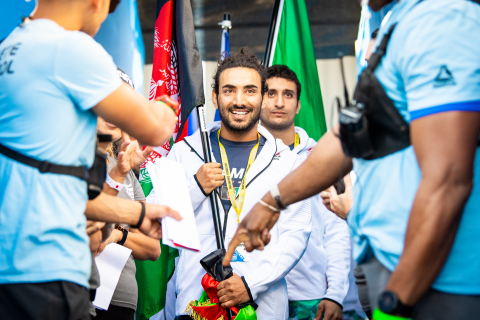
{"x":239,"y":99}
{"x":279,"y":102}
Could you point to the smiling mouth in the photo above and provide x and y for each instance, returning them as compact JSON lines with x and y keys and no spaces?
{"x":239,"y":114}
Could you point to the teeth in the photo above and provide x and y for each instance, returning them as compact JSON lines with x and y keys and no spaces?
{"x":240,"y":113}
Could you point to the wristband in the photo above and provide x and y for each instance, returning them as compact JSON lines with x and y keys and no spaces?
{"x":379,"y":315}
{"x":268,"y":206}
{"x":125,"y":234}
{"x":142,"y":216}
{"x":113,"y":184}
{"x":276,"y":196}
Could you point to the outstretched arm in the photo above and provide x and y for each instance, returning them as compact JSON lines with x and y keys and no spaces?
{"x":326,"y":163}
{"x":445,"y":146}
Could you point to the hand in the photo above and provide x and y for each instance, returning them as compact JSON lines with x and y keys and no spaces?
{"x":210,"y":176}
{"x":153,"y":213}
{"x":114,"y":237}
{"x":339,"y":204}
{"x":94,"y":226}
{"x":130,"y":155}
{"x":232,"y":292}
{"x":330,"y":311}
{"x":253,"y":231}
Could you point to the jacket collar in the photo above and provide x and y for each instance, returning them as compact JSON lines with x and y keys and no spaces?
{"x":264,"y":158}
{"x":305,"y":141}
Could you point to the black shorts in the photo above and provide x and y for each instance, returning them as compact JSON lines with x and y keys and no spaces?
{"x":57,"y":300}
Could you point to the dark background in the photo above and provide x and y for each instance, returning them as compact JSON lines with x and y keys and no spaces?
{"x":334,"y":25}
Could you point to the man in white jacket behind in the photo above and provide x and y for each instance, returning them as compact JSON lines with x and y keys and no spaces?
{"x":253,"y":154}
{"x":319,"y":283}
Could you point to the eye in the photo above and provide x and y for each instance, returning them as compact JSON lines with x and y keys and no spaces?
{"x":271,"y":94}
{"x":228,"y":91}
{"x":288,"y":95}
{"x":250,"y":90}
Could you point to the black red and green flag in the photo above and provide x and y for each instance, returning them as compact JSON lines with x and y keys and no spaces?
{"x":177,"y":72}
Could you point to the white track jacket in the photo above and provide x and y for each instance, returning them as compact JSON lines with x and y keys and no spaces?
{"x":323,"y":270}
{"x":265,"y":271}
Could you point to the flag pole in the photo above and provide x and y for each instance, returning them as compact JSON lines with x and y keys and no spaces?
{"x":271,"y":33}
{"x":208,"y":159}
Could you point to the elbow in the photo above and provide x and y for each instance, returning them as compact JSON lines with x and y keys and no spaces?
{"x":155,"y":253}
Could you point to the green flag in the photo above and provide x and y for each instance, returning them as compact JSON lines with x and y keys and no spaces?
{"x":293,"y":46}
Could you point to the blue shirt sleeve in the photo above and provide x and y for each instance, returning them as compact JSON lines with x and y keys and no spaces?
{"x":440,"y":63}
{"x":85,"y":70}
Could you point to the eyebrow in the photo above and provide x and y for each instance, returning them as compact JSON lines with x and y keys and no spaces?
{"x":231,"y":86}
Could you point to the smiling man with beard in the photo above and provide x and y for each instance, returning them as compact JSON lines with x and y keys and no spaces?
{"x":246,"y":151}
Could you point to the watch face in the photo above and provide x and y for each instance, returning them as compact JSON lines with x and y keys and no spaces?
{"x":387,"y":302}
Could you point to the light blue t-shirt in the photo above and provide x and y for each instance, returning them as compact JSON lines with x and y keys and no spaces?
{"x":432,"y":65}
{"x":50,"y":79}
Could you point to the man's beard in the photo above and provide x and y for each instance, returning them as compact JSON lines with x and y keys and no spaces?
{"x":234,"y":126}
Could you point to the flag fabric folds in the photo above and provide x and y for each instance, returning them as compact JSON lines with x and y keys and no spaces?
{"x":293,"y":46}
{"x":177,"y":72}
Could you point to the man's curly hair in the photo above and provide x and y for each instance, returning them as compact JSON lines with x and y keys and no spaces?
{"x":242,"y":59}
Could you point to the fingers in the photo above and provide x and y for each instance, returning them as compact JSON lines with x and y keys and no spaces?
{"x":237,"y":239}
{"x":320,"y":311}
{"x":169,"y":212}
{"x":325,"y":195}
{"x":125,"y":137}
{"x":266,"y":236}
{"x":146,"y":152}
{"x":333,"y":192}
{"x":348,"y":181}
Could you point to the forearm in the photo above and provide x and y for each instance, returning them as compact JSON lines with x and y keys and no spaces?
{"x":142,"y":246}
{"x":431,"y":230}
{"x":117,"y":176}
{"x":327,"y":163}
{"x":108,"y":208}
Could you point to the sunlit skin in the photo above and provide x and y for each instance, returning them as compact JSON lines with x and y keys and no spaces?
{"x":104,"y":127}
{"x":239,"y":102}
{"x":83,"y":15}
{"x":279,"y":112}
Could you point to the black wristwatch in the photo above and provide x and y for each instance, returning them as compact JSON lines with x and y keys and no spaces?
{"x":389,"y":303}
{"x":125,"y":234}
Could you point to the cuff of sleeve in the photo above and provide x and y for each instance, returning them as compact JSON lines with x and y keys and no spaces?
{"x":199,"y":185}
{"x":328,"y":299}
{"x":248,"y":288}
{"x":197,"y":195}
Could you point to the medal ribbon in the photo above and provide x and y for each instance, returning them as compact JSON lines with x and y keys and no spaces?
{"x":297,"y":140}
{"x":228,"y":176}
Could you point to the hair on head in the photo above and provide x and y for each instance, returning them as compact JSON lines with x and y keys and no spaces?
{"x":284,"y":72}
{"x":241,"y":59}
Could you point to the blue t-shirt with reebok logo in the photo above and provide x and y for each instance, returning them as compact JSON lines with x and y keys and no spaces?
{"x":238,"y":154}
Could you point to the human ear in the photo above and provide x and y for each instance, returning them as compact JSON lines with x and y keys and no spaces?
{"x":214,"y":99}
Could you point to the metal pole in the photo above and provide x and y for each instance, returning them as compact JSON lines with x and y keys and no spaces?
{"x":271,"y":31}
{"x":208,"y":158}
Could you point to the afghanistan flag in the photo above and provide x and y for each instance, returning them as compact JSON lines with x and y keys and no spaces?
{"x":292,"y":45}
{"x":177,"y":72}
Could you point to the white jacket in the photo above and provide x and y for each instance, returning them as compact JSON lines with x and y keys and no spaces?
{"x":323,"y":270}
{"x":265,"y":271}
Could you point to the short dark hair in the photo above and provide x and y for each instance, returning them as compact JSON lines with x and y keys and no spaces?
{"x":242,"y":59}
{"x":284,"y":72}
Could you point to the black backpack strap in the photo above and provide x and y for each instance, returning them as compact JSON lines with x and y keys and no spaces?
{"x":377,"y":56}
{"x":45,"y":166}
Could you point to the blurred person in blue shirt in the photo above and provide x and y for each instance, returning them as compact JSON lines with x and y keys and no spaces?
{"x":54,"y":81}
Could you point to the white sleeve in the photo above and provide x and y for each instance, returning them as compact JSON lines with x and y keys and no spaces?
{"x":338,"y":248}
{"x":293,"y":227}
{"x":197,"y":195}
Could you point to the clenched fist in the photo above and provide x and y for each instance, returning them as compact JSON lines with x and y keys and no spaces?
{"x":210,"y":176}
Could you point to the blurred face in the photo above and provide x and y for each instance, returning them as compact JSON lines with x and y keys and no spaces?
{"x":97,"y":13}
{"x":104,"y":127}
{"x":239,"y":99}
{"x":282,"y":104}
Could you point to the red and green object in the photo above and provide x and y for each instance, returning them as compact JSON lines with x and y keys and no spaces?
{"x":208,"y":306}
{"x":177,"y":73}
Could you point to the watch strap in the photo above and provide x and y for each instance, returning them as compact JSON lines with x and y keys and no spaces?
{"x":125,"y":234}
{"x":275,"y":193}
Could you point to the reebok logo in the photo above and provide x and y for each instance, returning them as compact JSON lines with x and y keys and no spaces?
{"x":444,"y":78}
